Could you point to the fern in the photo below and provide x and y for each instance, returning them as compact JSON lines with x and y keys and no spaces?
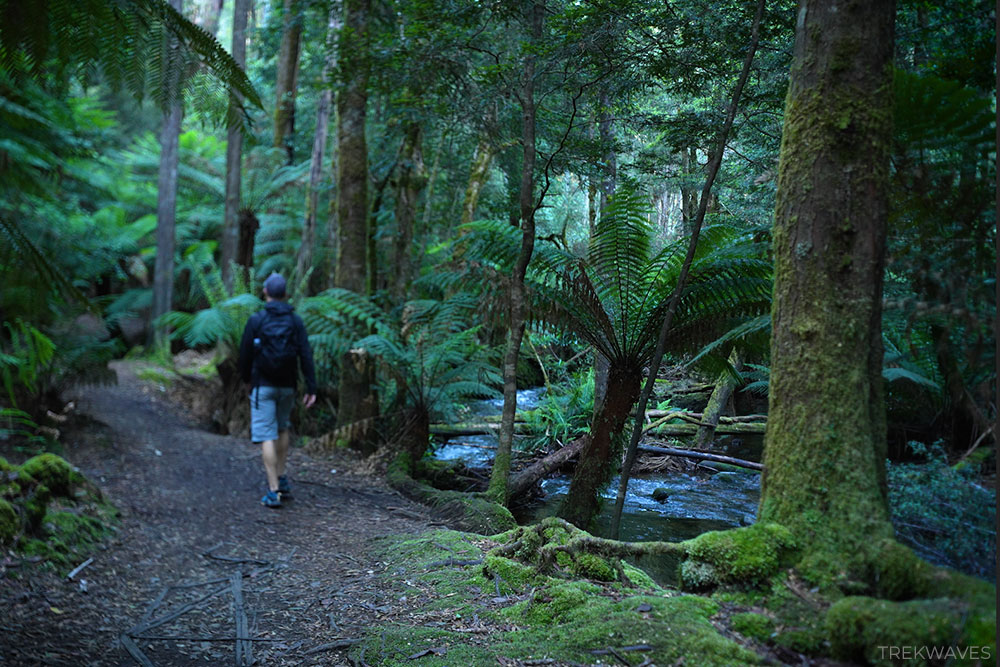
{"x":124,"y":39}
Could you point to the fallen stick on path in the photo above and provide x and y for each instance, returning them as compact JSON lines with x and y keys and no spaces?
{"x":79,"y":568}
{"x":340,"y":643}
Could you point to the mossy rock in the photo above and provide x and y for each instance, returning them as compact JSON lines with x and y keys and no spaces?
{"x":661,"y":493}
{"x":747,"y":556}
{"x":10,"y":523}
{"x":54,"y":472}
{"x":36,"y":505}
{"x":864,"y":629}
{"x":754,"y":626}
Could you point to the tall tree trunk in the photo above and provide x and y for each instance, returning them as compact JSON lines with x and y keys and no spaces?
{"x":234,"y":151}
{"x":717,"y":402}
{"x":500,"y":475}
{"x":661,"y":341}
{"x":166,"y":196}
{"x":689,"y":193}
{"x":304,"y":257}
{"x":825,"y":445}
{"x":207,"y":14}
{"x":410,"y":182}
{"x":597,"y":459}
{"x":286,"y":84}
{"x":357,"y":403}
{"x":479,"y":173}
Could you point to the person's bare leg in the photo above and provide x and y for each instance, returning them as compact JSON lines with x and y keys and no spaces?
{"x":281,"y":450}
{"x":269,"y":454}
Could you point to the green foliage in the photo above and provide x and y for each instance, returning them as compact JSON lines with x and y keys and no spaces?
{"x":563,"y":412}
{"x":223,"y":321}
{"x":28,"y":353}
{"x":431,"y":363}
{"x":944,"y":514}
{"x":133,"y":44}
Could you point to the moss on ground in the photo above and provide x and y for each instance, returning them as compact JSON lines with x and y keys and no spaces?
{"x":752,"y":625}
{"x":49,"y":510}
{"x":471,"y":607}
{"x":468,"y":511}
{"x":862,"y":629}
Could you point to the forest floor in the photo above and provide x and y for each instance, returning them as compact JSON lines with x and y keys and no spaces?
{"x":196,"y":547}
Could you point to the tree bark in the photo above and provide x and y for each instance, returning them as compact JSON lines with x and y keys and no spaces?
{"x":527,"y":478}
{"x":411,"y":181}
{"x":207,"y":15}
{"x":597,"y":463}
{"x":825,"y":446}
{"x":352,"y":167}
{"x":286,"y":84}
{"x":499,"y":478}
{"x":304,"y":257}
{"x":479,"y":173}
{"x":357,"y":403}
{"x":166,"y":204}
{"x":229,"y":246}
{"x":249,"y":224}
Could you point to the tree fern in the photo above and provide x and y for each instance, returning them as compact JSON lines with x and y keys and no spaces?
{"x":121,"y":38}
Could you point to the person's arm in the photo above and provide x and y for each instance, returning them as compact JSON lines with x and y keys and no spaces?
{"x":245,"y":363}
{"x":306,"y":362}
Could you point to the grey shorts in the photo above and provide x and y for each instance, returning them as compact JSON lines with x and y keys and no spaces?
{"x":270,"y":411}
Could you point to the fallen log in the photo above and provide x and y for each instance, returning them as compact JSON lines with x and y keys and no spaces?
{"x":704,"y":456}
{"x":525,"y":479}
{"x":691,"y":429}
{"x":698,"y":416}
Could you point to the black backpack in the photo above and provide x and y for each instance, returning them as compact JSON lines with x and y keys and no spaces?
{"x":275,"y":348}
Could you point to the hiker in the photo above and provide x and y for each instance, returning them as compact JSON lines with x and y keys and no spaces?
{"x":273,"y":341}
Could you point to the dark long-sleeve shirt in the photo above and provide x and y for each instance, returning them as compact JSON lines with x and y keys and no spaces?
{"x":289,"y":376}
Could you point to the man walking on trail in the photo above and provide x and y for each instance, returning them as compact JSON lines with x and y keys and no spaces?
{"x":274,"y":345}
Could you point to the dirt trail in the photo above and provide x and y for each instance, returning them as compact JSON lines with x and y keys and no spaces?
{"x":197,"y":548}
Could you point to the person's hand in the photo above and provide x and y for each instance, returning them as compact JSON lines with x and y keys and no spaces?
{"x":308,"y":400}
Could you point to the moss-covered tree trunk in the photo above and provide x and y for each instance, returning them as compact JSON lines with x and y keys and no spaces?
{"x":500,"y":474}
{"x":287,"y":75}
{"x":356,"y":400}
{"x":598,"y":459}
{"x":409,"y":183}
{"x":723,"y":391}
{"x":479,"y":174}
{"x":825,"y":445}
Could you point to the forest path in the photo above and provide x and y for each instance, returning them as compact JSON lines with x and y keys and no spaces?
{"x":196,"y":547}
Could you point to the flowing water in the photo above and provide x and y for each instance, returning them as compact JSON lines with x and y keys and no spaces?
{"x":693,"y":504}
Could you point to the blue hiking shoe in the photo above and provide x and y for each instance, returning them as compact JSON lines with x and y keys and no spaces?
{"x":271,"y":499}
{"x":284,"y":488}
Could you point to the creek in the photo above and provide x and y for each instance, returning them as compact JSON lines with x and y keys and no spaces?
{"x":693,"y":503}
